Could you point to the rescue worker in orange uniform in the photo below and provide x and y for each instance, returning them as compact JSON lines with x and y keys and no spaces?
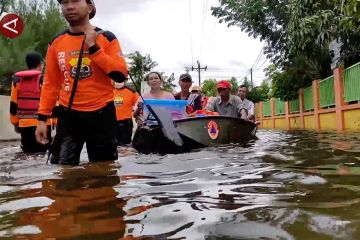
{"x":24,"y":104}
{"x":125,"y":100}
{"x":86,"y":115}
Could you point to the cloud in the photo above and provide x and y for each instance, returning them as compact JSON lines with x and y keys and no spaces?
{"x":115,"y":7}
{"x":176,"y":34}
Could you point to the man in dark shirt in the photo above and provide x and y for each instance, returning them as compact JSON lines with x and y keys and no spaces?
{"x":194,"y":100}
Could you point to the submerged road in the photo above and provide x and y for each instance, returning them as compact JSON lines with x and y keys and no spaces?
{"x":286,"y":185}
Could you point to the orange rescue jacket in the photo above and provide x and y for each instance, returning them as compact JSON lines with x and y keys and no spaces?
{"x":125,"y":100}
{"x":100,"y":64}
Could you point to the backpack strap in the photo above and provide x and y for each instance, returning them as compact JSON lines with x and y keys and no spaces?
{"x":77,"y":75}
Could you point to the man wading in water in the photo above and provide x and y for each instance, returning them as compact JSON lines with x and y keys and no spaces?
{"x":87,"y":115}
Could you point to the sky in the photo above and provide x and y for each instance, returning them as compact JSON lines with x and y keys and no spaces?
{"x":178,"y":33}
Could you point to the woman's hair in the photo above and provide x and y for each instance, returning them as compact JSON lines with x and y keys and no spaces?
{"x":157,"y":73}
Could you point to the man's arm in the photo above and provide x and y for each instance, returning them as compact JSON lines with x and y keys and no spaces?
{"x":51,"y":86}
{"x":251,"y":110}
{"x":110,"y":59}
{"x":210,"y":106}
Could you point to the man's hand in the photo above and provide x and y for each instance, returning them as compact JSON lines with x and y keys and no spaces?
{"x":140,"y":105}
{"x":41,"y":133}
{"x":90,"y":38}
{"x":17,"y":129}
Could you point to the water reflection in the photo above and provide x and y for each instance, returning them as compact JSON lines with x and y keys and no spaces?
{"x":297,"y":185}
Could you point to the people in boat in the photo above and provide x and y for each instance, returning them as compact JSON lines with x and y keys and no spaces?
{"x":155,"y":81}
{"x":225,"y":104}
{"x":125,"y":98}
{"x":87,"y":114}
{"x":194,"y":100}
{"x":24,"y":103}
{"x":195,"y":89}
{"x":247,"y":111}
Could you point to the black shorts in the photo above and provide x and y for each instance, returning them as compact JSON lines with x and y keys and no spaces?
{"x":124,"y":130}
{"x":28,"y":140}
{"x":97,"y":129}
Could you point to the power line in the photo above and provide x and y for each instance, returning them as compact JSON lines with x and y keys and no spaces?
{"x":262,"y":64}
{"x":191,"y":37}
{"x":205,"y":5}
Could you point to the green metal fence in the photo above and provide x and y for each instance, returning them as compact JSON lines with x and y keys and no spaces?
{"x":327,"y":92}
{"x":267,"y":109}
{"x":279,"y":107}
{"x":352,"y":83}
{"x":294,"y":105}
{"x":308,"y":99}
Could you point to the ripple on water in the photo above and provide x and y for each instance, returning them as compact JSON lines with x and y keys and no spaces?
{"x":286,"y":185}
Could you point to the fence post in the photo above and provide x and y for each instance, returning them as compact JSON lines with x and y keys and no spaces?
{"x":316,"y":99}
{"x":261,"y":106}
{"x":301,"y":110}
{"x":272,"y":108}
{"x":287,"y":115}
{"x":339,"y":97}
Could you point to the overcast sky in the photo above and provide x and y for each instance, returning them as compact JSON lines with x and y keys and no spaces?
{"x":177,"y":33}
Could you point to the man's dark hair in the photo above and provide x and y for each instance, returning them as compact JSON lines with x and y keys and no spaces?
{"x":33,"y":60}
{"x":243,"y":86}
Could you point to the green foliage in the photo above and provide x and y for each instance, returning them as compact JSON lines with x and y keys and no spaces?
{"x":285,"y":83}
{"x":234,"y":86}
{"x":43,"y":21}
{"x":297,"y":34}
{"x":257,"y":94}
{"x":168,"y":84}
{"x":209,"y":88}
{"x":5,"y":5}
{"x":140,"y":66}
{"x":261,"y":93}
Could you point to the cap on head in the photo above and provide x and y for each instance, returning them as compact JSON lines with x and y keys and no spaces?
{"x":185,"y":77}
{"x":224,"y":84}
{"x":93,"y":12}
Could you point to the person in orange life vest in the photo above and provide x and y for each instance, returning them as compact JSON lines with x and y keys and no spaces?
{"x":197,"y":90}
{"x":125,"y":100}
{"x":25,"y":97}
{"x":185,"y":82}
{"x":90,"y":118}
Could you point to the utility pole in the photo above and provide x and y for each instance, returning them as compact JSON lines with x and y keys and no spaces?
{"x":198,"y":69}
{"x":251,"y":77}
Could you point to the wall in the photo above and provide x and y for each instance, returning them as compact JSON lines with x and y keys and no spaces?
{"x":6,"y":128}
{"x":332,"y":104}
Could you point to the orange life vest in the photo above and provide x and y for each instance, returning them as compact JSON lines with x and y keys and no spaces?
{"x":28,"y":93}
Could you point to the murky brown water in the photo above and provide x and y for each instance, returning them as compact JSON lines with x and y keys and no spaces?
{"x":299,"y":185}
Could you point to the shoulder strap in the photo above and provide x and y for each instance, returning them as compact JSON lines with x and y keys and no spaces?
{"x":77,"y":75}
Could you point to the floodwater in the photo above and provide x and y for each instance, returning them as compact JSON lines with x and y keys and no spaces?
{"x":286,"y":185}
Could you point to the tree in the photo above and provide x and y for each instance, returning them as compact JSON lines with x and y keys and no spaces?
{"x":297,"y":34}
{"x":234,"y":86}
{"x":169,"y":83}
{"x":260,"y":93}
{"x":264,"y":19}
{"x":4,"y":5}
{"x":43,"y":21}
{"x":209,"y":88}
{"x":140,"y":66}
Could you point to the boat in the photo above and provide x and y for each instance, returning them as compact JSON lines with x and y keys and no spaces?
{"x":195,"y":132}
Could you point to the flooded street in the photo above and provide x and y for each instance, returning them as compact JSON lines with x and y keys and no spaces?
{"x":286,"y":185}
